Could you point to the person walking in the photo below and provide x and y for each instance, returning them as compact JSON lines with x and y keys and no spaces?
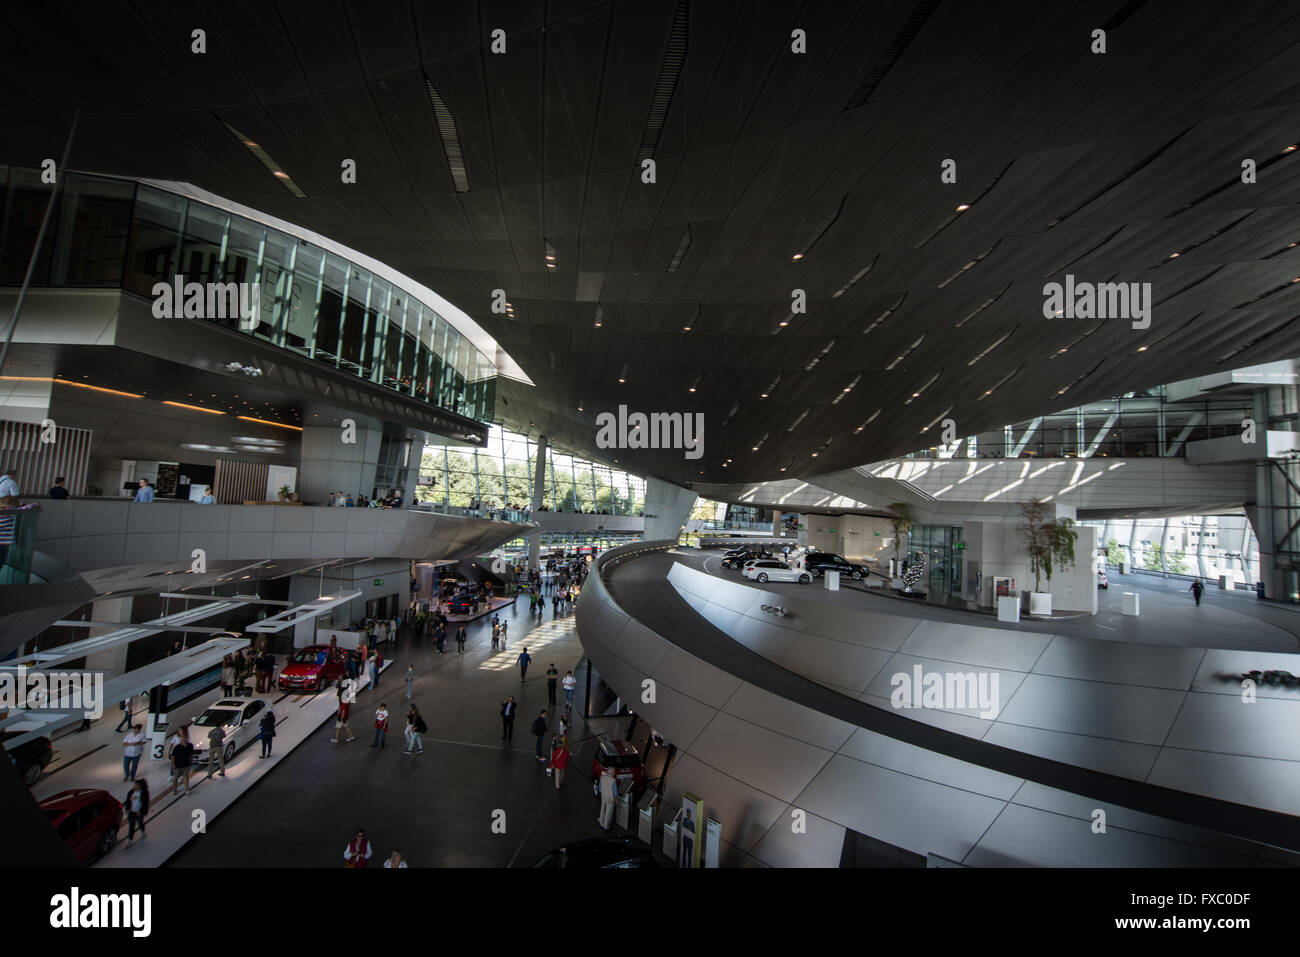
{"x":608,"y":795}
{"x":508,"y":710}
{"x":559,"y":761}
{"x":374,"y":669}
{"x":410,"y":681}
{"x":524,"y":659}
{"x":569,"y":683}
{"x":505,"y":627}
{"x":125,"y":705}
{"x":182,"y":761}
{"x":415,"y":727}
{"x":552,"y":676}
{"x":381,"y":726}
{"x":145,"y":492}
{"x":268,"y":732}
{"x":539,"y":731}
{"x":137,"y":806}
{"x":132,"y":749}
{"x":1197,"y":590}
{"x":227,"y":676}
{"x":460,"y":640}
{"x":358,"y":850}
{"x":58,"y":490}
{"x":496,"y":635}
{"x":341,"y":720}
{"x":440,"y":636}
{"x":217,"y":750}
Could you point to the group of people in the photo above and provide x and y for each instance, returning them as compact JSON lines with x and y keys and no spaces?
{"x":237,"y":667}
{"x":342,"y":500}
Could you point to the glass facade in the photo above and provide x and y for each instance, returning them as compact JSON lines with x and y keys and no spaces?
{"x":114,"y":233}
{"x":502,"y":474}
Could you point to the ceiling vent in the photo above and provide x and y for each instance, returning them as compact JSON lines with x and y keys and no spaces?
{"x":885,"y":62}
{"x":450,"y":138}
{"x":669,"y":72}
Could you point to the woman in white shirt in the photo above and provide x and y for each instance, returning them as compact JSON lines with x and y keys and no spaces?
{"x":132,"y":749}
{"x":397,"y":860}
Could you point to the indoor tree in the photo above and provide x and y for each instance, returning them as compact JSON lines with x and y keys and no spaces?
{"x":900,"y":523}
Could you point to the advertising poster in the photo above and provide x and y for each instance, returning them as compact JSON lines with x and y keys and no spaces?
{"x":689,"y":846}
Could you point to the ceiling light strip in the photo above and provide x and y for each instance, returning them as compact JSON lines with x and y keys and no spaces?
{"x":278,"y":425}
{"x":666,"y":84}
{"x":450,"y":138}
{"x":276,"y":169}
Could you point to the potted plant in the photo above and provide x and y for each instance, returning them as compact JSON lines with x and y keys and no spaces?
{"x":900,"y":523}
{"x":284,"y":493}
{"x":1049,"y":542}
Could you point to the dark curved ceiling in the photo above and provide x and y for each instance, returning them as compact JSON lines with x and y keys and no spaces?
{"x":1103,"y":166}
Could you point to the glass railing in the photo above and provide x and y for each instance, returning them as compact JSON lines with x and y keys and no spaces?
{"x":17,"y":542}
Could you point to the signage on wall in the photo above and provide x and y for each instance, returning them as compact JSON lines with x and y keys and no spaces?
{"x":379,"y":582}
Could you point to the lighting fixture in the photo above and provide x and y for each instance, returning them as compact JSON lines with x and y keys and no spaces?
{"x":696,"y":382}
{"x":278,"y":425}
{"x":622,"y":376}
{"x":796,"y":257}
{"x":195,"y":408}
{"x":963,"y":207}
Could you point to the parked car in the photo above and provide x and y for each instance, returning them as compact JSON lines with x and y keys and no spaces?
{"x":629,"y":768}
{"x":772,"y":570}
{"x":30,"y":757}
{"x":1102,"y":580}
{"x":740,"y":556}
{"x":462,"y":604}
{"x":239,"y":717}
{"x":821,"y":562}
{"x":312,"y":668}
{"x":86,"y":819}
{"x":623,"y":852}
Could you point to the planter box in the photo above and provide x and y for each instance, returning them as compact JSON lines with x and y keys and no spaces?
{"x":1040,"y":603}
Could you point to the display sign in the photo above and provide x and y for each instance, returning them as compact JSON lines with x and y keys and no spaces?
{"x":379,"y":582}
{"x":689,"y":851}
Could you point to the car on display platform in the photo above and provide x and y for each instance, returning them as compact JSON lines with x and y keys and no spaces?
{"x":31,"y":757}
{"x":623,"y":852}
{"x":86,"y":820}
{"x":776,"y":571}
{"x":821,"y":562}
{"x":462,"y":604}
{"x":737,"y":558}
{"x":629,"y":768}
{"x":1103,"y":581}
{"x":312,"y":668}
{"x":240,"y":718}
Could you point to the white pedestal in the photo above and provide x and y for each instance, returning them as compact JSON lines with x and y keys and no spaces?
{"x":1040,"y":603}
{"x":1225,"y":582}
{"x":832,"y":580}
{"x":1008,"y":608}
{"x":1130,"y":603}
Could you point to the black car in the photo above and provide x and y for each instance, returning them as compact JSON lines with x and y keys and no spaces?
{"x":596,"y":852}
{"x":737,"y":557}
{"x":30,"y":757}
{"x":819,"y":562}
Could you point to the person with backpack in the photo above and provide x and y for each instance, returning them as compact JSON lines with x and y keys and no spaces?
{"x":524,"y":660}
{"x":381,"y":726}
{"x":268,"y":732}
{"x":539,"y":731}
{"x":415,"y":727}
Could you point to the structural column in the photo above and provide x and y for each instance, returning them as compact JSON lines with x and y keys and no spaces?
{"x":539,"y":484}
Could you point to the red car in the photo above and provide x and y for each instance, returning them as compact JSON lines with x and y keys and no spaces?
{"x":629,"y":769}
{"x":312,"y":668}
{"x":86,"y":819}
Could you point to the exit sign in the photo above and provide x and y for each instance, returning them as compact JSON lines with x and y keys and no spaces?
{"x":959,"y":546}
{"x":378,"y":582}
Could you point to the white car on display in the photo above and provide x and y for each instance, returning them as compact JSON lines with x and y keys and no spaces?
{"x":240,"y":718}
{"x":772,"y":570}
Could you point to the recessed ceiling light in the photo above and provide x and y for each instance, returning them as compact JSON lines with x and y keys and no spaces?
{"x":1142,"y":348}
{"x":1291,"y":149}
{"x":963,"y":207}
{"x":1175,"y":255}
{"x":686,"y":328}
{"x":796,"y":257}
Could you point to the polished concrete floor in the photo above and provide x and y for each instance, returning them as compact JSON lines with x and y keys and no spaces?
{"x":438,"y":808}
{"x":1169,"y":614}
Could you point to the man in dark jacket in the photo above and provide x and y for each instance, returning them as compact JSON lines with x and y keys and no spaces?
{"x":539,"y":730}
{"x":508,"y":711}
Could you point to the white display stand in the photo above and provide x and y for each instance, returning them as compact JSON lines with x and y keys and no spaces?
{"x":671,"y":828}
{"x":1008,"y":608}
{"x":645,"y":829}
{"x":832,"y":580}
{"x":1225,"y":582}
{"x":1130,"y":603}
{"x":1040,"y":603}
{"x":712,"y":842}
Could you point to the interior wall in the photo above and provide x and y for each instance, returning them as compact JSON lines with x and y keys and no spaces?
{"x":999,"y":550}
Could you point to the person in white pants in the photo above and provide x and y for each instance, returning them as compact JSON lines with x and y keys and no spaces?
{"x":608,"y":794}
